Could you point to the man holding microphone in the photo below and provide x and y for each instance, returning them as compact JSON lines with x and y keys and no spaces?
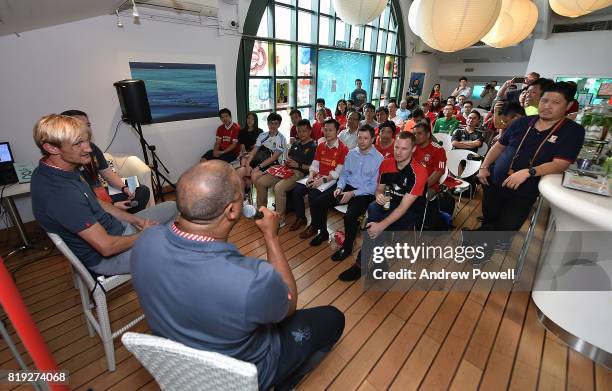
{"x":197,"y":289}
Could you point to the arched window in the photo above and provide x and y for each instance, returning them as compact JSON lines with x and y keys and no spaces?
{"x":294,"y":51}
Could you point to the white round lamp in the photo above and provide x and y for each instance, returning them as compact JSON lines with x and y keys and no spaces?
{"x":359,"y":12}
{"x":451,"y":25}
{"x":516,"y":21}
{"x":575,"y":8}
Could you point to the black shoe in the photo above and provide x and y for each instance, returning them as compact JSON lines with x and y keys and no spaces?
{"x":341,"y":255}
{"x":351,"y":274}
{"x":320,"y":238}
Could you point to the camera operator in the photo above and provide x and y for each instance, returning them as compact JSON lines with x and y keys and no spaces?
{"x":487,"y":95}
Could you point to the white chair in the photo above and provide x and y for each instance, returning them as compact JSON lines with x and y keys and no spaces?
{"x":453,"y":160}
{"x":98,"y":289}
{"x":484,"y":148}
{"x":178,"y":367}
{"x":445,"y":140}
{"x":130,"y":165}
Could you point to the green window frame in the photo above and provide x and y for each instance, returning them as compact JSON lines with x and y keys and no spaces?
{"x":385,"y":43}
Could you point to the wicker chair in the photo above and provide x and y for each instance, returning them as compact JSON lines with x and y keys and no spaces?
{"x":98,"y":289}
{"x":178,"y":367}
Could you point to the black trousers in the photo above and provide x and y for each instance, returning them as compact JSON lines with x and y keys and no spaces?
{"x":306,"y":337}
{"x":226,"y":157}
{"x":314,"y":195}
{"x":141,"y":194}
{"x":356,"y":207}
{"x":502,"y":210}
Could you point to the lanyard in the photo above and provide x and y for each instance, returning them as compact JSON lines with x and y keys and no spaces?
{"x":554,"y":129}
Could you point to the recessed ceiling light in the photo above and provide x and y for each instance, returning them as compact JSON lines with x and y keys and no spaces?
{"x":507,"y":57}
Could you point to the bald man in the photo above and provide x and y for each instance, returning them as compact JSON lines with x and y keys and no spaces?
{"x":197,"y":289}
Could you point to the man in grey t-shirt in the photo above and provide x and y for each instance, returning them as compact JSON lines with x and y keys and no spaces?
{"x":197,"y":289}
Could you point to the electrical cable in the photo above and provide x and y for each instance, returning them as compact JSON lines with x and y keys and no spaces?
{"x":114,"y":135}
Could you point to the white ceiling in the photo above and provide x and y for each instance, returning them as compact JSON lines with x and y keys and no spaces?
{"x":23,"y":15}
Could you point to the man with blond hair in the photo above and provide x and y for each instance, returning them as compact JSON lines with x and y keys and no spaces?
{"x":98,"y":233}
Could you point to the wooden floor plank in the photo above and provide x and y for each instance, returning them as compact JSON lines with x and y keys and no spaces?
{"x":554,"y":365}
{"x":485,"y":337}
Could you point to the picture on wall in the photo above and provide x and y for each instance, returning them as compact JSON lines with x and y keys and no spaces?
{"x":415,"y":87}
{"x":282,"y":93}
{"x":179,"y":92}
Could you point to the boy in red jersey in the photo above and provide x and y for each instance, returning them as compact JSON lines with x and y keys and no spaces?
{"x":226,"y":144}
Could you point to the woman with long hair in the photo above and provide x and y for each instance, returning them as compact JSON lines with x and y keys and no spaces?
{"x":435,"y":92}
{"x":246,"y":139}
{"x":340,"y":113}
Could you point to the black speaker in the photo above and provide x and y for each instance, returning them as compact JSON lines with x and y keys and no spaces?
{"x":133,"y":101}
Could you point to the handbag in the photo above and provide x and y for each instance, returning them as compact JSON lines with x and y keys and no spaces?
{"x":262,"y":154}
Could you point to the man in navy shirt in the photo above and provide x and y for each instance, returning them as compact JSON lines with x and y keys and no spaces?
{"x":530,"y":148}
{"x":197,"y":289}
{"x":98,"y":233}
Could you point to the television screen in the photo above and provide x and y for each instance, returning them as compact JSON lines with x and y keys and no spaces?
{"x":605,"y":90}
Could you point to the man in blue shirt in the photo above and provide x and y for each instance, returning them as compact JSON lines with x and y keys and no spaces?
{"x":531,"y":147}
{"x":356,"y":186}
{"x":197,"y":289}
{"x":98,"y":233}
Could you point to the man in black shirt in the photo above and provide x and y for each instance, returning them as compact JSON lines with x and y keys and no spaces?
{"x":468,"y":137}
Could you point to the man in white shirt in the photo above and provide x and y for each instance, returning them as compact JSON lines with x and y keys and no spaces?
{"x":349,"y":135}
{"x":393,"y":116}
{"x":462,"y":88}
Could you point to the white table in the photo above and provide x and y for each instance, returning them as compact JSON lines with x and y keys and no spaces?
{"x":582,"y":319}
{"x":8,"y":194}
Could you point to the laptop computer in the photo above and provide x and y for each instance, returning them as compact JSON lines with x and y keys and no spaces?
{"x":7,"y":170}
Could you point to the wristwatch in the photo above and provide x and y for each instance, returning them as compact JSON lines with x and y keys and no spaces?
{"x":324,"y":179}
{"x":532,"y":172}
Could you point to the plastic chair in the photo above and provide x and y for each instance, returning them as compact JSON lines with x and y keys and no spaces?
{"x":453,"y":160}
{"x":98,"y":289}
{"x":445,"y":140}
{"x":178,"y":367}
{"x":484,"y":148}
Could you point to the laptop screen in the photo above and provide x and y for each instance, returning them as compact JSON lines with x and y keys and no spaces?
{"x":5,"y":153}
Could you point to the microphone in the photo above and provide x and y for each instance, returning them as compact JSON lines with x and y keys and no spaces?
{"x":250,"y":212}
{"x":474,"y":157}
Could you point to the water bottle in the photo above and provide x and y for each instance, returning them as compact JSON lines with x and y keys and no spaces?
{"x":387,"y":204}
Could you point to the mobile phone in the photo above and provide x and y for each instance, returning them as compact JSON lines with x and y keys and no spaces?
{"x":518,"y":79}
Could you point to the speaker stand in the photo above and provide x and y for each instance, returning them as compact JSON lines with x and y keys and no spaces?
{"x":156,"y":176}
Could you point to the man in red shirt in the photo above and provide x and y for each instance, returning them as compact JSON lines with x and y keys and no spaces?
{"x":320,"y":104}
{"x":384,"y":142}
{"x":226,"y":144}
{"x":323,"y":174}
{"x":405,"y":180}
{"x":431,"y":155}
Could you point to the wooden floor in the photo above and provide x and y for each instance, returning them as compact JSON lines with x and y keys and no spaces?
{"x":486,"y":337}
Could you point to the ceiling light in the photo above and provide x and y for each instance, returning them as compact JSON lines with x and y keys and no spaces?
{"x":135,"y":10}
{"x":119,"y":22}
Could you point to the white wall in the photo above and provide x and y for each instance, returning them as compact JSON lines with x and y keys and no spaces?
{"x":74,"y":66}
{"x":569,"y":54}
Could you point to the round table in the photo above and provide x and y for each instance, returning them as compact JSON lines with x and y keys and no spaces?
{"x":581,"y":318}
